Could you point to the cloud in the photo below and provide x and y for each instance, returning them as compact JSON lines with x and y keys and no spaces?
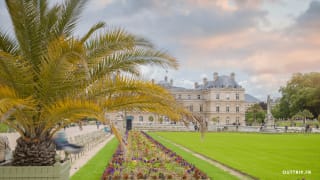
{"x":310,"y":19}
{"x":221,"y":36}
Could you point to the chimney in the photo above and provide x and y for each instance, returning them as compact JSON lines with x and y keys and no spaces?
{"x":232,"y":76}
{"x":196,"y":85}
{"x":171,"y":82}
{"x":205,"y":81}
{"x":166,"y":78}
{"x":215,"y":76}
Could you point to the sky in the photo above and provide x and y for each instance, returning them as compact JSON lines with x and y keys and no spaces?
{"x":262,"y":41}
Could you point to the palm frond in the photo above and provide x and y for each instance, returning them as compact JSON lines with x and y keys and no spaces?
{"x":111,"y":41}
{"x":93,"y":29}
{"x":68,"y":16}
{"x":66,"y":111}
{"x":10,"y":102}
{"x":63,"y":71}
{"x":16,"y":73}
{"x":119,"y":93}
{"x":130,"y":62}
{"x":7,"y":44}
{"x":25,"y":19}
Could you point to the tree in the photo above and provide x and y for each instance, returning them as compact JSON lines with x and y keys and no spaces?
{"x":304,"y":115}
{"x":151,"y":118}
{"x":302,"y":91}
{"x":215,"y":119}
{"x":49,"y":78}
{"x":255,"y":114}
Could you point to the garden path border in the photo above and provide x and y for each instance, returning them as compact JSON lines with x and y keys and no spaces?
{"x":81,"y":161}
{"x":224,"y":167}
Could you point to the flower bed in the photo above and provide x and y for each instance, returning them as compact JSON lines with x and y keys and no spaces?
{"x":145,"y":158}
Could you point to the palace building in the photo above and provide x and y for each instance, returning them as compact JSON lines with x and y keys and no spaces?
{"x":220,"y":100}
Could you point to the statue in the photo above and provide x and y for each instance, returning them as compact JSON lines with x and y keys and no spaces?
{"x":269,"y":118}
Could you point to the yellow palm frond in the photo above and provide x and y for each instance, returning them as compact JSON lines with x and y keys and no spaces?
{"x":66,"y":111}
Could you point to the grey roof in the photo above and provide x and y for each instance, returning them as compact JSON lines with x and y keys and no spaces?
{"x":167,"y":85}
{"x":251,"y":99}
{"x":220,"y":82}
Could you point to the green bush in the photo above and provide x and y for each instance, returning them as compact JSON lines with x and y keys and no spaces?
{"x":3,"y":128}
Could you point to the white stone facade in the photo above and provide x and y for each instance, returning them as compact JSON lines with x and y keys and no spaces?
{"x":220,"y":101}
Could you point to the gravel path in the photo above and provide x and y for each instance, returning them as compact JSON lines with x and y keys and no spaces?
{"x":228,"y":169}
{"x":82,"y":160}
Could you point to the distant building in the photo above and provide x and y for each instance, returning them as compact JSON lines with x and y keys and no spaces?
{"x":220,"y":99}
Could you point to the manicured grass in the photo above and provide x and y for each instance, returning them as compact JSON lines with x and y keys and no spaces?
{"x":3,"y":128}
{"x":96,"y":166}
{"x":265,"y":156}
{"x":210,"y":170}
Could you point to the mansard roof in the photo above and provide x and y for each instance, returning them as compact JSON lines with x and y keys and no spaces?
{"x":220,"y":82}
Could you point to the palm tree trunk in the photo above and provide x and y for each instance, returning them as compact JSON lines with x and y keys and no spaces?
{"x":40,"y":153}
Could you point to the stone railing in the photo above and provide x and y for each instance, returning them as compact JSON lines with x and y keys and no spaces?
{"x":88,"y":141}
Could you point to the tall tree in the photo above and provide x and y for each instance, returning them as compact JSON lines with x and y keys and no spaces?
{"x":255,"y":114}
{"x":48,"y":77}
{"x":301,"y":92}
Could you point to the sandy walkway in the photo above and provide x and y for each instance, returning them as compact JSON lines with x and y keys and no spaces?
{"x":79,"y":162}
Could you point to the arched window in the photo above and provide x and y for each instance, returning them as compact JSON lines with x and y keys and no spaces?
{"x":141,"y":118}
{"x":227,"y":120}
{"x":237,"y":108}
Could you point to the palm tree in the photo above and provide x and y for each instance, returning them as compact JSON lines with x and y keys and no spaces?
{"x":49,"y":78}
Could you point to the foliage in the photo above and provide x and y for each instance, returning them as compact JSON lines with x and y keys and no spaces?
{"x":150,"y":118}
{"x":160,"y":119}
{"x":3,"y":128}
{"x":303,"y":115}
{"x":255,"y":114}
{"x":302,"y":91}
{"x":50,"y":78}
{"x":145,"y":158}
{"x":261,"y":155}
{"x":296,"y":123}
{"x":215,"y":119}
{"x":95,"y":166}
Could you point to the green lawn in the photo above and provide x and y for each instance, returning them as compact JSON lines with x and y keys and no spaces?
{"x":3,"y":128}
{"x":95,"y":167}
{"x":265,"y":156}
{"x":210,"y":170}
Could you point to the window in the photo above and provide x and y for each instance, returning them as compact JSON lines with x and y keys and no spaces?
{"x":201,"y":108}
{"x":199,"y":97}
{"x":237,"y":119}
{"x":227,"y":108}
{"x":217,"y":109}
{"x":237,"y":96}
{"x":237,"y":109}
{"x":227,"y":120}
{"x":179,"y":96}
{"x":189,"y":96}
{"x":141,"y":118}
{"x":191,"y":107}
{"x":227,"y":96}
{"x":217,"y":96}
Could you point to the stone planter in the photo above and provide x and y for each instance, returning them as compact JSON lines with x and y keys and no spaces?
{"x":60,"y":171}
